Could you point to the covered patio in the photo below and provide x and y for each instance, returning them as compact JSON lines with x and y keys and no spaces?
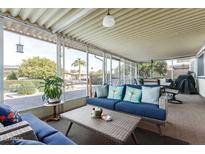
{"x":144,"y":44}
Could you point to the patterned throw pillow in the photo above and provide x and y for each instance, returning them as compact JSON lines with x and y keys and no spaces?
{"x":115,"y":92}
{"x":150,"y":95}
{"x":8,"y":116}
{"x":132,"y":95}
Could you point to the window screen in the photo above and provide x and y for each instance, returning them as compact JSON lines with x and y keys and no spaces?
{"x":201,"y":65}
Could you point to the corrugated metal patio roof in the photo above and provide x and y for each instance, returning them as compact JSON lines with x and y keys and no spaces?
{"x":139,"y":34}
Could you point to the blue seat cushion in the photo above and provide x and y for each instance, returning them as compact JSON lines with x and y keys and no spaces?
{"x":40,"y":128}
{"x":27,"y":142}
{"x":141,"y":109}
{"x":103,"y":102}
{"x":57,"y":139}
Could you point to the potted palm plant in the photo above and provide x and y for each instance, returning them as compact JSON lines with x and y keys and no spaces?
{"x":52,"y":89}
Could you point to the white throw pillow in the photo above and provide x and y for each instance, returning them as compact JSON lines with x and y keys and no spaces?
{"x":150,"y":95}
{"x":1,"y":125}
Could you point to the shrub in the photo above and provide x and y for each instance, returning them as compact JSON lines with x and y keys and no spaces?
{"x":14,"y":87}
{"x":26,"y":88}
{"x":11,"y":76}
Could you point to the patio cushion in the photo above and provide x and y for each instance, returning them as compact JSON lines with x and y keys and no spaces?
{"x":132,"y":95}
{"x":27,"y":142}
{"x":40,"y":128}
{"x":103,"y":102}
{"x":101,"y":91}
{"x":57,"y":139}
{"x":141,"y":109}
{"x":150,"y":94}
{"x":8,"y":116}
{"x":115,"y":92}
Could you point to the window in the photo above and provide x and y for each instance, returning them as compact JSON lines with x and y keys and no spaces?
{"x":122,"y":72}
{"x":115,"y":71}
{"x":200,"y":65}
{"x":160,"y":69}
{"x":127,"y":72}
{"x":23,"y":72}
{"x":75,"y":74}
{"x":132,"y":73}
{"x":96,"y":69}
{"x":108,"y":70}
{"x":181,"y":66}
{"x":145,"y":70}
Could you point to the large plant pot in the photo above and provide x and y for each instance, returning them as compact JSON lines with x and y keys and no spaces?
{"x":53,"y":101}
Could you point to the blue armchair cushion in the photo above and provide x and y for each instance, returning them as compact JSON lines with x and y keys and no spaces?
{"x":8,"y":116}
{"x":115,"y":92}
{"x":57,"y":139}
{"x":101,"y":91}
{"x":150,"y":94}
{"x":132,"y":95}
{"x":27,"y":142}
{"x":40,"y":128}
{"x":141,"y":109}
{"x":103,"y":102}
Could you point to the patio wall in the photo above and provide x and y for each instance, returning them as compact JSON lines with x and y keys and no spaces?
{"x":43,"y":112}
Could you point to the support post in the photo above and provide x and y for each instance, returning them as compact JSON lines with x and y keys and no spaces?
{"x":172,"y":71}
{"x":87,"y":71}
{"x":1,"y":62}
{"x":58,"y":56}
{"x":124,"y":78}
{"x":106,"y":80}
{"x":111,"y":69}
{"x":63,"y":73}
{"x":103,"y":68}
{"x":138,"y":71}
{"x":130,"y":73}
{"x":119,"y":81}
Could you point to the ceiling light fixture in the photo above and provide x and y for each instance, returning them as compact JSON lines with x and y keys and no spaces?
{"x":108,"y":20}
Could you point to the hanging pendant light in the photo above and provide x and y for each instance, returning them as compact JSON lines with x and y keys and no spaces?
{"x":19,"y":46}
{"x":108,"y":20}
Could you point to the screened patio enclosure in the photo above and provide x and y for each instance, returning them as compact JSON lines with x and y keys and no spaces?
{"x":77,"y":47}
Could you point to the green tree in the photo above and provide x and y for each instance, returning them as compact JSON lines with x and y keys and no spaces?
{"x":79,"y":63}
{"x":160,"y":67}
{"x":37,"y":68}
{"x":144,"y":70}
{"x":11,"y":76}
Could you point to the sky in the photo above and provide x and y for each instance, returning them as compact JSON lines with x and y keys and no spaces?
{"x":34,"y":47}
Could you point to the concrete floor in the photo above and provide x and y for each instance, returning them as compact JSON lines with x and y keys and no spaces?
{"x":185,"y":125}
{"x":185,"y":121}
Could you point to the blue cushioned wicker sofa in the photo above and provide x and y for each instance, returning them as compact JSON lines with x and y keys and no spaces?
{"x":30,"y":130}
{"x":156,"y":113}
{"x":44,"y":132}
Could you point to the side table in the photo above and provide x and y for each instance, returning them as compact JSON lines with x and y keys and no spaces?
{"x":56,"y":115}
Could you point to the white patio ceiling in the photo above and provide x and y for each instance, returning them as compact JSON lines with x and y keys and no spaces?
{"x":139,"y":34}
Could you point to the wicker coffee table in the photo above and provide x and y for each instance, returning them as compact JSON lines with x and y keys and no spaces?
{"x":119,"y":129}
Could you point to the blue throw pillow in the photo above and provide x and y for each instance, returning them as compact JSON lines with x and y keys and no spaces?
{"x":8,"y":116}
{"x":150,"y":95}
{"x":132,"y":95}
{"x":115,"y":92}
{"x":27,"y":142}
{"x":101,"y":91}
